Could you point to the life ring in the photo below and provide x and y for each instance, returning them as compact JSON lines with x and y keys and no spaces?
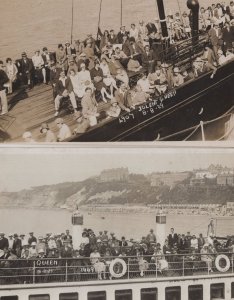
{"x":122,"y":269}
{"x":217,"y":261}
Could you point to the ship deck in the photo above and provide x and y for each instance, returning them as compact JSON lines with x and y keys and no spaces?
{"x":28,"y":109}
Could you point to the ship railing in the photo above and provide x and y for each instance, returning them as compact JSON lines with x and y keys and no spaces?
{"x":52,"y":270}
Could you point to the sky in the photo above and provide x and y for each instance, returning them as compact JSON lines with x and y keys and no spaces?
{"x":24,"y":167}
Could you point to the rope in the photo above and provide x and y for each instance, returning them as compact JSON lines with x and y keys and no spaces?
{"x":205,"y":123}
{"x":192,"y":133}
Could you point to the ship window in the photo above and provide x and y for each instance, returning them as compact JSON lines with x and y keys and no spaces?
{"x":195,"y":292}
{"x":97,"y":295}
{"x":232,"y":288}
{"x":9,"y":298}
{"x":39,"y":297}
{"x":68,"y":296}
{"x":123,"y":295}
{"x":173,"y":293}
{"x":149,"y":294}
{"x":217,"y":291}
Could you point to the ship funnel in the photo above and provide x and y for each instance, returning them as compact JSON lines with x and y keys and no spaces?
{"x":161,"y":228}
{"x":193,"y":5}
{"x":77,"y":229}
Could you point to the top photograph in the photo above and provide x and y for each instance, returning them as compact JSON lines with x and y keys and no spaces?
{"x":116,"y":71}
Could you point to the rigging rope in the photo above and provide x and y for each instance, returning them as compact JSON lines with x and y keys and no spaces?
{"x":192,"y":133}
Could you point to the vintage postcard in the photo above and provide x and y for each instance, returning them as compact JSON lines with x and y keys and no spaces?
{"x":115,"y":70}
{"x":116,"y":223}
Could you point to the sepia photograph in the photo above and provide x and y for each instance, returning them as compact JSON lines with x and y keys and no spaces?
{"x":116,"y":70}
{"x":116,"y":223}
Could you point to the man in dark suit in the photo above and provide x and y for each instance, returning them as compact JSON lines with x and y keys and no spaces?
{"x":3,"y":241}
{"x":172,"y":238}
{"x":25,"y":67}
{"x":121,"y":96}
{"x":148,"y":59}
{"x":17,"y":245}
{"x":54,"y":77}
{"x":215,"y":36}
{"x":123,"y":242}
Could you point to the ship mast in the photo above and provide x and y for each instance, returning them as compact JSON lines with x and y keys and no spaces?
{"x":162,"y":17}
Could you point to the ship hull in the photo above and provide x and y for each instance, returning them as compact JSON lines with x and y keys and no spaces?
{"x":202,"y":99}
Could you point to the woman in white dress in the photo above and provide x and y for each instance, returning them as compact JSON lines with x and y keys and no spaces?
{"x":75,"y":81}
{"x":108,"y":79}
{"x":84,"y":81}
{"x":11,"y":71}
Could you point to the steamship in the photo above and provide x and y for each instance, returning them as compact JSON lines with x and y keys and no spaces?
{"x":174,"y":115}
{"x":173,"y":277}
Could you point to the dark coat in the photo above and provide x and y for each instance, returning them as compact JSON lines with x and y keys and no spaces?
{"x":25,"y":66}
{"x":3,"y":79}
{"x":4,"y":241}
{"x":60,"y":88}
{"x":172,"y":240}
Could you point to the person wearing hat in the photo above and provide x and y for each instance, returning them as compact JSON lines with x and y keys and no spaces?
{"x":64,"y":89}
{"x":186,"y":24}
{"x":3,"y":241}
{"x":41,"y":253}
{"x":31,"y":238}
{"x":48,"y":58}
{"x":32,"y":250}
{"x":27,"y":137}
{"x":64,"y":130}
{"x":151,"y":237}
{"x":3,"y":98}
{"x":114,"y":110}
{"x":25,"y":67}
{"x":123,"y":98}
{"x":17,"y":245}
{"x":11,"y":71}
{"x":178,"y":79}
{"x":97,"y":77}
{"x":148,"y":59}
{"x":138,"y":96}
{"x":47,"y":133}
{"x":215,"y":37}
{"x":133,"y":32}
{"x":23,"y":240}
{"x":90,"y":106}
{"x":41,"y":245}
{"x":39,"y":66}
{"x":121,"y":33}
{"x":82,"y":123}
{"x":72,"y":66}
{"x":70,"y":50}
{"x":79,"y":46}
{"x":61,"y":58}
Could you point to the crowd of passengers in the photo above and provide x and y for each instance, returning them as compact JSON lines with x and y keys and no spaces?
{"x":103,"y":247}
{"x":90,"y":71}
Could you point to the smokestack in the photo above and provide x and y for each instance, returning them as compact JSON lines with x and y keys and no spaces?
{"x":77,"y":229}
{"x":193,"y":5}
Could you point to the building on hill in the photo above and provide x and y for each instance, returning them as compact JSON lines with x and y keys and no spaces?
{"x":119,"y":174}
{"x":170,"y":179}
{"x":225,"y":179}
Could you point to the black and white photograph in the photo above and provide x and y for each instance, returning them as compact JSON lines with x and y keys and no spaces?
{"x":116,"y":70}
{"x":116,"y":223}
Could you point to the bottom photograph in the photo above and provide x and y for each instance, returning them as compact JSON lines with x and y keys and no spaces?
{"x":118,"y":223}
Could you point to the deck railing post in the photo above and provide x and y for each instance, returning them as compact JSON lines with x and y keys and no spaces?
{"x":128,"y":267}
{"x":232,"y":263}
{"x":156,"y":264}
{"x":66,"y":272}
{"x":183,"y":265}
{"x":34,"y":271}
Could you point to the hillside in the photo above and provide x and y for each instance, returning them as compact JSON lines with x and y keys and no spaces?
{"x":137,"y":189}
